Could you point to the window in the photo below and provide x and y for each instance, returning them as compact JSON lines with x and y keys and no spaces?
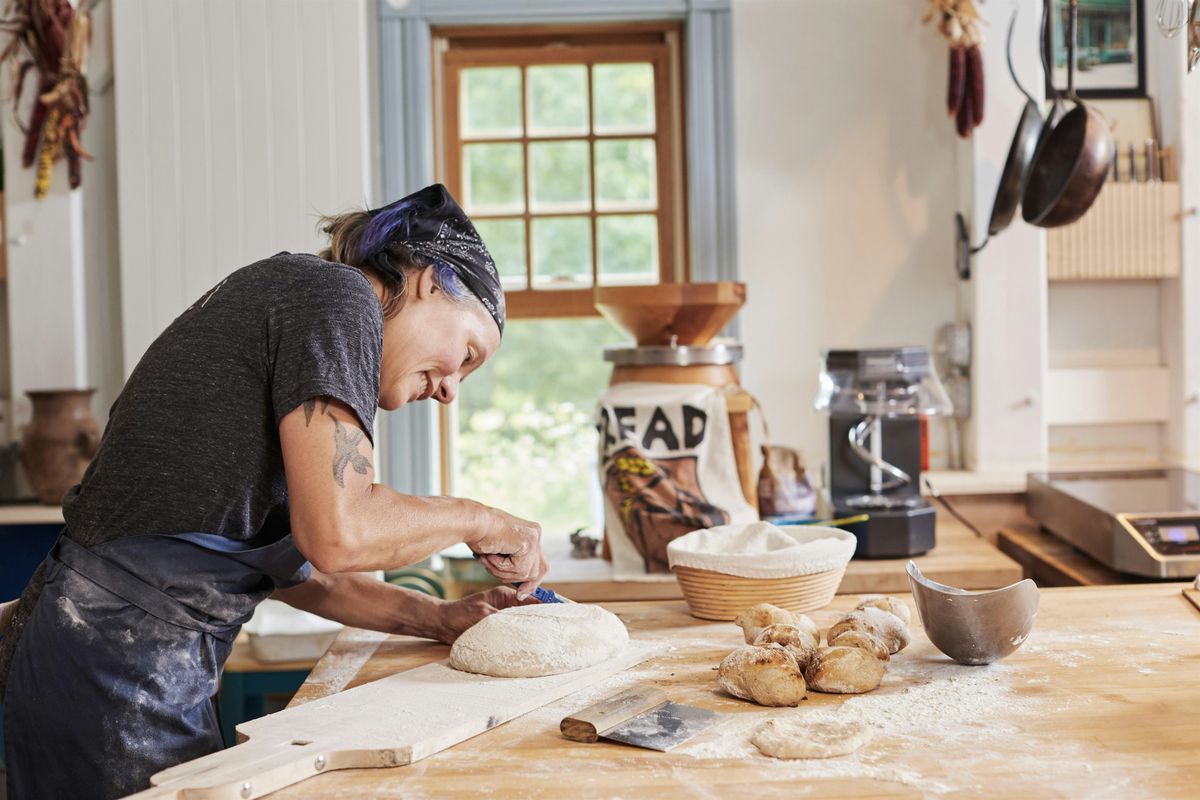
{"x":565,"y":147}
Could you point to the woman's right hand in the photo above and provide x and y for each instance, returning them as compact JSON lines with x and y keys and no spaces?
{"x":511,"y":549}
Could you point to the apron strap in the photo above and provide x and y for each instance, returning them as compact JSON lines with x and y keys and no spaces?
{"x":133,"y":590}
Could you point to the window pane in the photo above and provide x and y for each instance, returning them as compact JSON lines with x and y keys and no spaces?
{"x":628,"y":248}
{"x":494,"y":175}
{"x":557,"y":100}
{"x":490,"y":102}
{"x":623,"y":98}
{"x":560,"y":176}
{"x":626,"y":177}
{"x":562,"y":252}
{"x":505,"y":240}
{"x":526,"y":437}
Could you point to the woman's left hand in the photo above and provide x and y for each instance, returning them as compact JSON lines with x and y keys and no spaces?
{"x":458,"y":615}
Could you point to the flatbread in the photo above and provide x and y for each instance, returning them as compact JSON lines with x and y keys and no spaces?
{"x":797,"y":737}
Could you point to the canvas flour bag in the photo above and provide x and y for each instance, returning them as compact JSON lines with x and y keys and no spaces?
{"x":666,"y":468}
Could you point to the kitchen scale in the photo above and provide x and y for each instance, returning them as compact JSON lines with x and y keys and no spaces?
{"x":1143,"y":522}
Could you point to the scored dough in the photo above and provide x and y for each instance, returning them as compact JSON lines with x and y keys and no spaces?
{"x":536,"y":640}
{"x":796,"y":737}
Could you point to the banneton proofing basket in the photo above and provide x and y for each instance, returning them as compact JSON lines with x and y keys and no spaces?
{"x":725,"y":570}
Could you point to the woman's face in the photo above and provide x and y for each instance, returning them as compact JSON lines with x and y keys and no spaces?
{"x":432,"y":345}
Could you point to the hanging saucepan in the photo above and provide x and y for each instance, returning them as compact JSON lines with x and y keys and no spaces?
{"x":1020,"y":152}
{"x":1057,"y":109}
{"x":1070,"y":167}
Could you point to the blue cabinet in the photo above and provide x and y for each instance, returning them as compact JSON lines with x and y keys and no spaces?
{"x":22,"y":548}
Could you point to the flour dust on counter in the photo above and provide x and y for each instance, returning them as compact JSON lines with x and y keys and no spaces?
{"x":922,"y":703}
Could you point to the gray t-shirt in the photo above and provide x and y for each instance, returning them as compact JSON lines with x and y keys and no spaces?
{"x":192,"y":442}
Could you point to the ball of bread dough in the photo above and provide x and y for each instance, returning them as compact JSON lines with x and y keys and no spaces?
{"x":766,"y":675}
{"x":801,"y":644}
{"x":540,"y":639}
{"x":844,"y":670}
{"x":884,"y":626}
{"x":863,"y":641}
{"x":889,"y":604}
{"x":755,"y":618}
{"x":797,"y":737}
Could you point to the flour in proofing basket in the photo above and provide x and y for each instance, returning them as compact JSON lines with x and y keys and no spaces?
{"x":762,"y":550}
{"x":667,"y":468}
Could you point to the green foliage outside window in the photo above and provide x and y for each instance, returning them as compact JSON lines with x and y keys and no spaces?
{"x":526,"y":437}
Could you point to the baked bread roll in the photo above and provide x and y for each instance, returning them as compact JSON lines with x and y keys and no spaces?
{"x":884,"y":626}
{"x":888,"y":604}
{"x":844,"y":670}
{"x":863,"y":641}
{"x":801,"y":644}
{"x":755,"y":618}
{"x":766,"y":675}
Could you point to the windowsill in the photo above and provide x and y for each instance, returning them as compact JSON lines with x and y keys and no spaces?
{"x":565,"y":568}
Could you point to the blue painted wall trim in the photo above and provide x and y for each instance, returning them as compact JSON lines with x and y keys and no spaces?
{"x":406,"y":112}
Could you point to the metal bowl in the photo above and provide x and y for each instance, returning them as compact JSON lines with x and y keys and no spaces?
{"x":974,"y":627}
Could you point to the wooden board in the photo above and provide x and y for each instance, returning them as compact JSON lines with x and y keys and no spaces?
{"x":394,"y":721}
{"x":1193,"y":597}
{"x":1100,"y":701}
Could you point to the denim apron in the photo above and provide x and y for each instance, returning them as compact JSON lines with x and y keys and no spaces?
{"x":113,"y":676}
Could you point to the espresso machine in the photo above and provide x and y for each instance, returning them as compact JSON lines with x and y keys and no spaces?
{"x":876,"y":400}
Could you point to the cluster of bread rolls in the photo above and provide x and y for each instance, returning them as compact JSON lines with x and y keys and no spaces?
{"x":783,"y":656}
{"x":769,"y":670}
{"x":860,"y":645}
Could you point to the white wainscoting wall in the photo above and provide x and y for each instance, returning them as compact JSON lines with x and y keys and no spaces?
{"x":239,"y":122}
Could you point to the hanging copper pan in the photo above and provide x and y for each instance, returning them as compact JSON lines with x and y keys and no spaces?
{"x":1069,"y":168}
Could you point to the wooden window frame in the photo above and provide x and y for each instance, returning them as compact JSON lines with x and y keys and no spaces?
{"x":658,"y":43}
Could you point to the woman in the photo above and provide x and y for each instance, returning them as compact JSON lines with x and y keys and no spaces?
{"x":237,"y":464}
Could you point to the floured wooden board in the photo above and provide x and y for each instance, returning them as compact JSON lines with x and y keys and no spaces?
{"x":391,"y":722}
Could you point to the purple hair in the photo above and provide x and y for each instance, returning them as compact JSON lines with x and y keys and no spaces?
{"x":388,"y":223}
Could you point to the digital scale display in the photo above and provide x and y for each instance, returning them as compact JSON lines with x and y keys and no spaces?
{"x":1179,"y":534}
{"x":1171,"y":537}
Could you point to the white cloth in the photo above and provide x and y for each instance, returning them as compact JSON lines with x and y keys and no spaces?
{"x":762,"y":550}
{"x":666,"y":468}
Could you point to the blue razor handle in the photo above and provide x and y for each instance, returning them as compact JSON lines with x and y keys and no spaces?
{"x":545,"y":595}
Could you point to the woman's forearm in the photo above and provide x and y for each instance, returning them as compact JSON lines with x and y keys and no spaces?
{"x":361,"y":601}
{"x":430,"y":524}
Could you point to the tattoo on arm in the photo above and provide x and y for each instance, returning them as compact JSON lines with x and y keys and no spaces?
{"x":346,"y":452}
{"x":310,"y":405}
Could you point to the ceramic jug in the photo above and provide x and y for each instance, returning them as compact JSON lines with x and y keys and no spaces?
{"x":59,"y":442}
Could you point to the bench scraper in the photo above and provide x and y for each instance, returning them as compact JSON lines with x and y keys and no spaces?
{"x":641,"y":716}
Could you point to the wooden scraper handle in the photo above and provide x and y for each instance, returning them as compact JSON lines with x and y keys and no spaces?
{"x":589,"y":724}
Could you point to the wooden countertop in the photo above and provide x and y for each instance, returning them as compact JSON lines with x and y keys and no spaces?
{"x":1101,"y":700}
{"x":959,"y":559}
{"x":1052,"y":561}
{"x":30,"y":514}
